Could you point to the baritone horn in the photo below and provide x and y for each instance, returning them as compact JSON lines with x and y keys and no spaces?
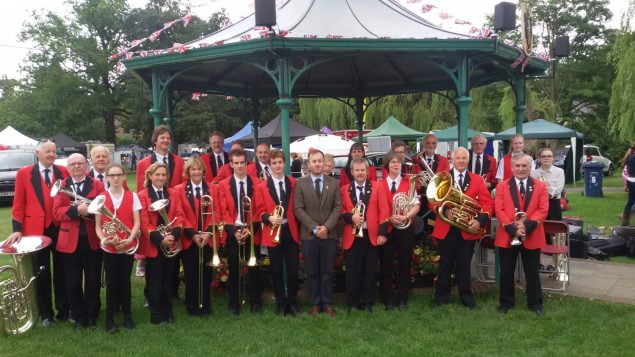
{"x":18,"y":307}
{"x":165,"y":228}
{"x":464,"y":208}
{"x":360,"y":209}
{"x":112,"y":228}
{"x":401,"y":202}
{"x":278,"y":212}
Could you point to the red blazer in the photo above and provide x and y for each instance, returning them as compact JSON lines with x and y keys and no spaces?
{"x":440,"y":163}
{"x":489,"y":168}
{"x":69,"y":217}
{"x":536,"y":204}
{"x":228,"y":195}
{"x":474,"y":187}
{"x":265,"y":193}
{"x":227,"y":171}
{"x":403,"y":187}
{"x":210,"y":165}
{"x":32,"y":209}
{"x":254,"y":170}
{"x":190,"y":206}
{"x":176,"y":170}
{"x":345,"y":180}
{"x":377,"y":211}
{"x":150,"y":220}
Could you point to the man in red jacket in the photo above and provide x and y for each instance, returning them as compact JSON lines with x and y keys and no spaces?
{"x":215,"y":159}
{"x":435,"y":161}
{"x":32,"y":214}
{"x":521,"y":193}
{"x":505,"y":166}
{"x":457,"y":246}
{"x":481,"y":163}
{"x":78,"y":243}
{"x":161,"y":139}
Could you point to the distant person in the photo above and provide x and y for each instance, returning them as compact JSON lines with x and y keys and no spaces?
{"x":296,"y":165}
{"x":553,"y":176}
{"x":630,"y":184}
{"x":133,"y":161}
{"x":100,"y":158}
{"x":215,"y":157}
{"x":505,"y":171}
{"x":346,"y":176}
{"x":329,"y":164}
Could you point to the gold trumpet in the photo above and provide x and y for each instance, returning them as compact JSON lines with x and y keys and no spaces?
{"x":464,"y":208}
{"x":278,"y":212}
{"x":97,"y":206}
{"x":165,"y":228}
{"x":360,"y":209}
{"x":401,"y":202}
{"x":77,"y":199}
{"x":519,"y":217}
{"x":18,"y":307}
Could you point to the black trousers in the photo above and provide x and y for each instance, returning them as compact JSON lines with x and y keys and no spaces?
{"x":399,"y":245}
{"x":361,"y":270}
{"x":531,"y":262}
{"x":159,"y":280}
{"x":178,"y":259}
{"x":192,"y":276}
{"x":45,"y":289}
{"x":631,"y":197}
{"x":555,"y":210}
{"x":456,"y":255}
{"x":118,"y":268}
{"x":319,"y":256}
{"x":83,"y":280}
{"x":285,"y":254}
{"x":253,"y":276}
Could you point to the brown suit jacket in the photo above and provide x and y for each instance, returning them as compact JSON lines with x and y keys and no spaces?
{"x":311,"y":211}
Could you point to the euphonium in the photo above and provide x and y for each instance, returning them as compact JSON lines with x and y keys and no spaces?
{"x":165,"y":228}
{"x":112,"y":228}
{"x":248,"y":212}
{"x":77,"y":199}
{"x":519,"y":217}
{"x":278,"y":212}
{"x":464,"y":208}
{"x":426,"y":174}
{"x":360,"y":209}
{"x":401,"y":202}
{"x":18,"y":307}
{"x":559,"y":260}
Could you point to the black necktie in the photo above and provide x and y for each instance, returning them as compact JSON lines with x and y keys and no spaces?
{"x":429,"y":162}
{"x":78,"y":186}
{"x":477,"y":168}
{"x":361,"y":193}
{"x":160,"y":194}
{"x":461,"y":181}
{"x":198,"y":193}
{"x":241,"y":195}
{"x":219,"y":162}
{"x":394,"y":187}
{"x":522,"y":189}
{"x":47,"y":178}
{"x":165,"y":160}
{"x":317,"y":187}
{"x":283,"y":193}
{"x":100,"y":177}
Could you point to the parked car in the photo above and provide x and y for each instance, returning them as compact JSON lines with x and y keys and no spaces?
{"x":595,"y":155}
{"x":10,"y":162}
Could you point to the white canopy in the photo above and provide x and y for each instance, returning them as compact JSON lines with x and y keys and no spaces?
{"x":329,"y":144}
{"x":11,"y":137}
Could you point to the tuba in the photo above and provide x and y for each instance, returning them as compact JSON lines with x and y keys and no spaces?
{"x":464,"y":208}
{"x":401,"y":202}
{"x":164,"y":229}
{"x":519,"y":217}
{"x":18,"y":308}
{"x":360,"y":209}
{"x":77,"y":199}
{"x":97,"y":206}
{"x":278,"y":212}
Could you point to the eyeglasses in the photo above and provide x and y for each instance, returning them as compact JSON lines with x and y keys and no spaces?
{"x":77,"y":164}
{"x":116,"y":175}
{"x":546,"y":156}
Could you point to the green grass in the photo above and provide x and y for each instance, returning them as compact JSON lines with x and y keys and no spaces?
{"x":597,"y":211}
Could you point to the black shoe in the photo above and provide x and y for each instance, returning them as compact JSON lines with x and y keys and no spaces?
{"x":63,"y":316}
{"x":389,"y":306}
{"x":234,"y":310}
{"x":349,"y":310}
{"x":127,"y":322}
{"x":111,"y":327}
{"x":539,"y":311}
{"x":368,"y":309}
{"x":256,"y":308}
{"x":293,"y":310}
{"x":281,"y":310}
{"x":47,"y":322}
{"x":503,"y":309}
{"x":403,"y":305}
{"x":470,"y":304}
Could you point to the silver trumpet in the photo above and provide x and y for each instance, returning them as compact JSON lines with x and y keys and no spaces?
{"x":519,"y":217}
{"x":18,"y":307}
{"x":360,"y":209}
{"x":77,"y":199}
{"x":112,"y":228}
{"x":165,"y":229}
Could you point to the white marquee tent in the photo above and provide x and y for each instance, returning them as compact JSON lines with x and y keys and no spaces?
{"x":15,"y":139}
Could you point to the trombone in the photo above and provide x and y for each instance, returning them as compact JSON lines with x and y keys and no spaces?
{"x":278,"y":212}
{"x":247,"y":213}
{"x":164,"y":229}
{"x":360,"y":209}
{"x":206,"y":208}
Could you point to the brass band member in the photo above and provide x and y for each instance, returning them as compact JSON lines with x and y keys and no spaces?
{"x":260,"y":169}
{"x":346,"y":177}
{"x":232,"y":191}
{"x":400,"y":241}
{"x":197,"y":219}
{"x":100,"y":159}
{"x":215,"y":159}
{"x":79,"y":243}
{"x":553,"y":176}
{"x":456,"y":246}
{"x":32,"y":214}
{"x":435,"y":161}
{"x":317,"y":206}
{"x":401,"y":148}
{"x":505,"y":166}
{"x":161,"y":140}
{"x":159,"y":268}
{"x":279,"y":190}
{"x":481,"y":163}
{"x":366,"y":229}
{"x":125,"y":206}
{"x":521,"y":193}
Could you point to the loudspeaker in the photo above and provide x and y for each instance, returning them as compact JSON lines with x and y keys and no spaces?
{"x":562,"y":47}
{"x":504,"y":16}
{"x":265,"y":12}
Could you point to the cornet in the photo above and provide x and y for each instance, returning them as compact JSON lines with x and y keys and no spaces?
{"x":166,"y":228}
{"x":360,"y":209}
{"x":97,"y":206}
{"x":278,"y":212}
{"x":77,"y":199}
{"x":519,"y":217}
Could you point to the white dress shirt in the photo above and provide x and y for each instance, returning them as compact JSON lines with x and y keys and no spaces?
{"x":555,"y":179}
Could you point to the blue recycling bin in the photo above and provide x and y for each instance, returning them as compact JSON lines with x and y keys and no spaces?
{"x":593,"y":174}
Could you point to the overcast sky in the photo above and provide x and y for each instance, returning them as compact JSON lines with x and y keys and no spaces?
{"x":13,"y":14}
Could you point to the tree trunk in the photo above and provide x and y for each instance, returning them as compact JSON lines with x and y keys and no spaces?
{"x":109,"y":125}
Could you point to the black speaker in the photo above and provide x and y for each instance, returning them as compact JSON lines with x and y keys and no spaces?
{"x":504,"y":16}
{"x":265,"y":12}
{"x":562,"y":47}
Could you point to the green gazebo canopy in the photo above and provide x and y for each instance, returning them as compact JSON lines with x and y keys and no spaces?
{"x":452,"y":134}
{"x":540,"y":129}
{"x":396,"y":130}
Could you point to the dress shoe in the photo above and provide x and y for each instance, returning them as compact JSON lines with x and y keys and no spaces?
{"x":539,"y":311}
{"x":293,"y":310}
{"x":470,"y":304}
{"x":111,"y":327}
{"x":281,"y":310}
{"x":503,"y":309}
{"x":127,"y":322}
{"x":329,"y":311}
{"x":256,"y":309}
{"x":47,"y":322}
{"x":234,"y":310}
{"x":315,"y":310}
{"x":63,"y":317}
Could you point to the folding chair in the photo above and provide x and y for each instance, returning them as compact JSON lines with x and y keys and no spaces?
{"x":559,"y":249}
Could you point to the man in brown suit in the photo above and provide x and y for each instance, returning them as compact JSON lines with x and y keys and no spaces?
{"x":318,"y":204}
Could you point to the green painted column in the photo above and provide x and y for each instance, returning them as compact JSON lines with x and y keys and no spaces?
{"x":519,"y":90}
{"x":285,"y":105}
{"x":156,"y":111}
{"x":463,"y":103}
{"x":255,"y":118}
{"x":169,"y":118}
{"x":359,"y":114}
